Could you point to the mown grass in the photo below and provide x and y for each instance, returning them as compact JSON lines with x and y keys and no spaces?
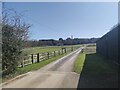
{"x":78,"y":65}
{"x":34,"y":50}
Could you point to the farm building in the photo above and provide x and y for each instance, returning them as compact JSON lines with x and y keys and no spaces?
{"x":107,"y":45}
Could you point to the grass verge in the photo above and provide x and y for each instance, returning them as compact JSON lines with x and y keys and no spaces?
{"x":78,"y":65}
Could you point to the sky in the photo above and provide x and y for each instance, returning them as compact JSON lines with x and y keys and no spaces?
{"x":54,"y":20}
{"x":60,"y":0}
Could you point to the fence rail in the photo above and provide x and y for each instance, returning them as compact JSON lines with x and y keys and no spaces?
{"x":36,"y":58}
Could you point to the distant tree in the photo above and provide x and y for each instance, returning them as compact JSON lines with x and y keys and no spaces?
{"x":61,"y":42}
{"x":69,"y":41}
{"x":68,"y":38}
{"x":60,"y":39}
{"x":14,"y":34}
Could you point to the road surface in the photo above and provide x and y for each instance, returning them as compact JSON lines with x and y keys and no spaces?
{"x":58,"y":74}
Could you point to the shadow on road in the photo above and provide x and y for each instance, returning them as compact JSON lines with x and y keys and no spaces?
{"x":98,"y":73}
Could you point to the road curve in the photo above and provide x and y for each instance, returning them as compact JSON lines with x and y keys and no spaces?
{"x":58,"y":74}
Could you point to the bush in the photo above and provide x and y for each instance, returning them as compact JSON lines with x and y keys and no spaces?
{"x":14,"y":33}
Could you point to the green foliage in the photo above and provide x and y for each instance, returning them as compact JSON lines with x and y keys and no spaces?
{"x":14,"y":33}
{"x":10,"y":49}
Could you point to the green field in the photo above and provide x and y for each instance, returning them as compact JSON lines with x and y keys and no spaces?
{"x":95,"y":70}
{"x":34,"y":50}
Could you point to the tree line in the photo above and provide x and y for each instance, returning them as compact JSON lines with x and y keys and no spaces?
{"x":60,"y":42}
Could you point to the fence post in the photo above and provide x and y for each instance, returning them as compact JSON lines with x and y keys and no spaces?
{"x":71,"y":48}
{"x":58,"y":52}
{"x":38,"y":58}
{"x":54,"y":54}
{"x":62,"y":51}
{"x":48,"y":55}
{"x":65,"y":50}
{"x":32,"y":58}
{"x":22,"y":63}
{"x":81,"y":50}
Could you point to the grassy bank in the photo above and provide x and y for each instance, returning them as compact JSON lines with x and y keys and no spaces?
{"x":95,"y":70}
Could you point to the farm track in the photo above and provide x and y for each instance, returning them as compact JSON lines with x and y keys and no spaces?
{"x":58,"y":74}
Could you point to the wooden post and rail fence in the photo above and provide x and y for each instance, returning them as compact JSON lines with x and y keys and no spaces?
{"x":36,"y":58}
